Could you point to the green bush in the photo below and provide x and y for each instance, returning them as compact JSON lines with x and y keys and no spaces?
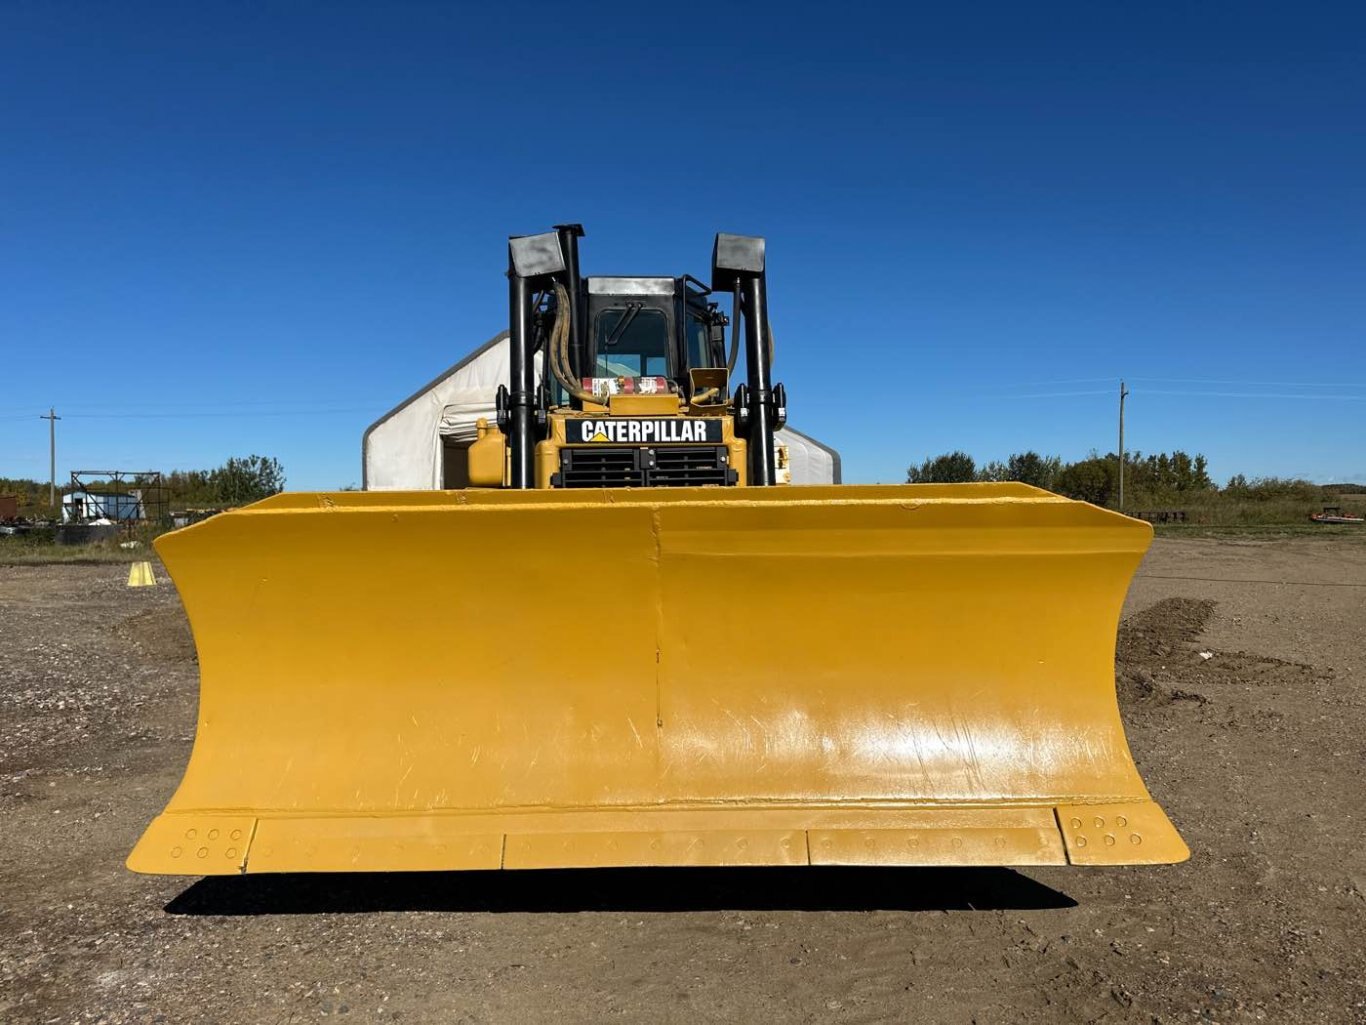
{"x":950,"y":468}
{"x":1091,"y":480}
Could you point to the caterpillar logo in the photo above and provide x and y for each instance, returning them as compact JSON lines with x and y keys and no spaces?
{"x":630,"y":431}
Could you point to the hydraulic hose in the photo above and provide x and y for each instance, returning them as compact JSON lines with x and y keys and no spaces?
{"x":557,"y":349}
{"x":707,"y":396}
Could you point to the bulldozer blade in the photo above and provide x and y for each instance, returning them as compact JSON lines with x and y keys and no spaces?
{"x":909,"y":675}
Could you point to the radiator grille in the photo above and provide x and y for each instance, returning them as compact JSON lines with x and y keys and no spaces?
{"x":665,"y":467}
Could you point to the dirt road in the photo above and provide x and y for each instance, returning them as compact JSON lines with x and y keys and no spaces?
{"x":1256,"y":748}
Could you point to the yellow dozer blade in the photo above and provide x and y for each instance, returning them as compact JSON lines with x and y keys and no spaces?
{"x":912,"y":675}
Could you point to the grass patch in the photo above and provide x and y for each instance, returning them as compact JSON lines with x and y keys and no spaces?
{"x":12,"y":554}
{"x":1265,"y":531}
{"x":1219,"y":509}
{"x":39,"y":548}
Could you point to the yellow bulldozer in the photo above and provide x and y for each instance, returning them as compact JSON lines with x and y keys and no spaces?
{"x":630,"y":643}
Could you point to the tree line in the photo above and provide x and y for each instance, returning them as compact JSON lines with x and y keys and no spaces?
{"x":240,"y":480}
{"x":1161,"y":478}
{"x":236,"y":482}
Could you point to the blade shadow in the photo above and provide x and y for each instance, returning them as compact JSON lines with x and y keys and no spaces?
{"x":622,"y":889}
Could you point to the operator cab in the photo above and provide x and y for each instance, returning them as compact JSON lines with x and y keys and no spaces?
{"x":663,"y":339}
{"x":644,"y":334}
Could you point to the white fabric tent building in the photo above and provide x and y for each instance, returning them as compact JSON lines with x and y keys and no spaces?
{"x":420,"y":444}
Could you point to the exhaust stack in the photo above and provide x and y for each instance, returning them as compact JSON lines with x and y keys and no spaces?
{"x":738,"y":267}
{"x":532,"y":260}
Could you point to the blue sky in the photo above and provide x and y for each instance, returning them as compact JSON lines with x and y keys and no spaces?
{"x":254,"y":228}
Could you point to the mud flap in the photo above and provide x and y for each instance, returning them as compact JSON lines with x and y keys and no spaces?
{"x":913,"y":675}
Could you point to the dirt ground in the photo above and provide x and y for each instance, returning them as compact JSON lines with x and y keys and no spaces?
{"x":1256,"y":748}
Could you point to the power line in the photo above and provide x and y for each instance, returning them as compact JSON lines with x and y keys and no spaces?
{"x":202,"y":414}
{"x":1064,"y":387}
{"x":1060,"y":394}
{"x":1254,"y":395}
{"x":278,"y":402}
{"x":1272,"y":384}
{"x":1064,"y":381}
{"x":1189,"y":393}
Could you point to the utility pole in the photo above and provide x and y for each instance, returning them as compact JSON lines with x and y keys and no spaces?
{"x":1123,"y":394}
{"x":51,"y":419}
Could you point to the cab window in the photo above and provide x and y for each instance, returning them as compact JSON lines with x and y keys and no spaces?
{"x":699,"y":343}
{"x":631,"y":341}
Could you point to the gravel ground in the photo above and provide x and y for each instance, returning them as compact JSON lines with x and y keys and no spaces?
{"x":1256,"y":749}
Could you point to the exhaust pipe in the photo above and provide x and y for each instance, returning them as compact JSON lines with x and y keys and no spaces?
{"x":532,"y":259}
{"x":737,"y":265}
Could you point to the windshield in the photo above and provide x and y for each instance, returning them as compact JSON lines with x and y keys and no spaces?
{"x":631,"y":342}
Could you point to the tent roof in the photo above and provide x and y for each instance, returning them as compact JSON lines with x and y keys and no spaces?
{"x":450,"y":371}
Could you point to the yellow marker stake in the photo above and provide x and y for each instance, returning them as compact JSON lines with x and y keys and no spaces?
{"x":140,"y":575}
